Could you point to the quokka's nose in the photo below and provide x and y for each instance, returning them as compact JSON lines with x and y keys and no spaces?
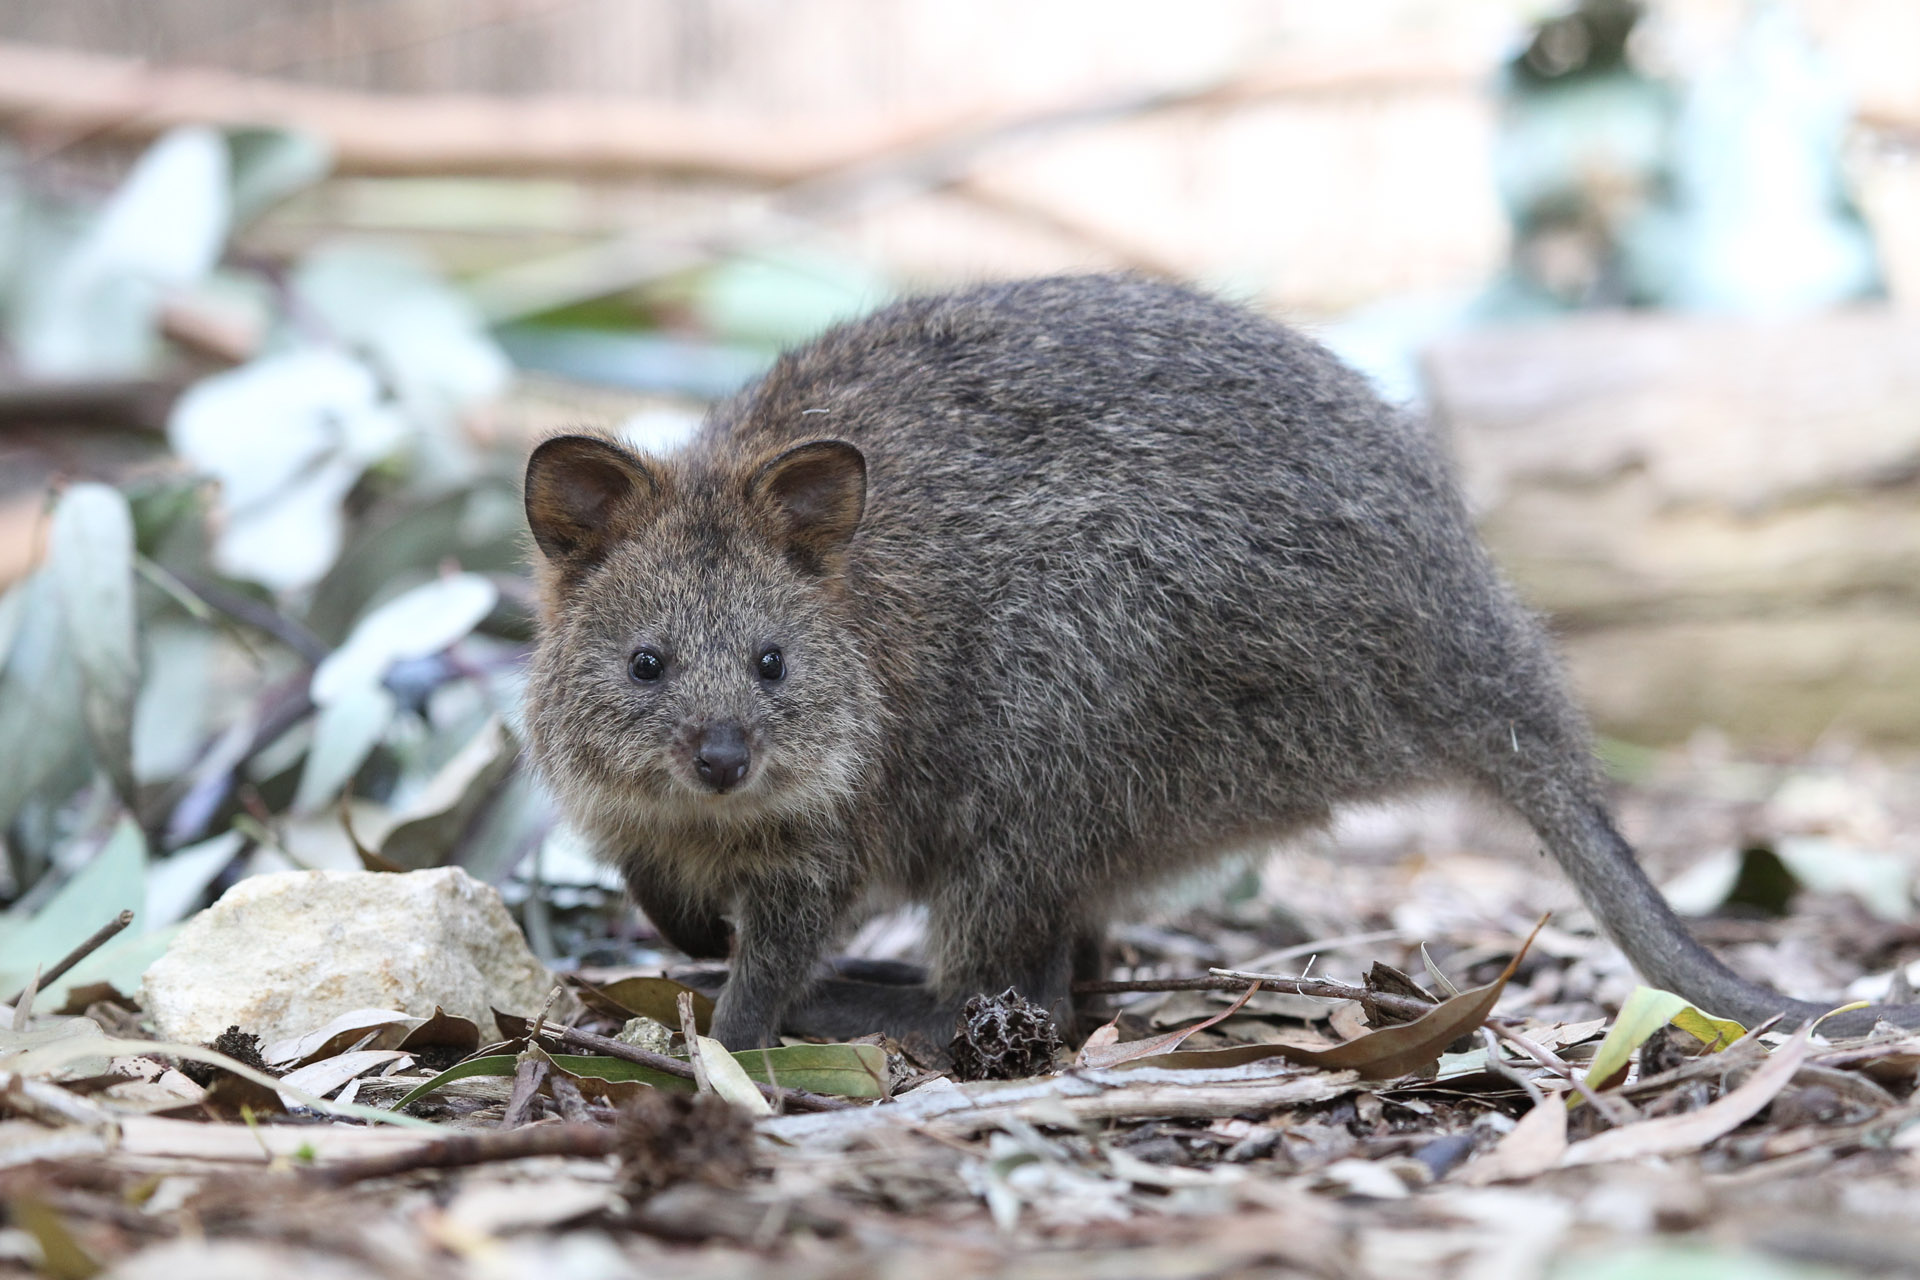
{"x":720,"y":756}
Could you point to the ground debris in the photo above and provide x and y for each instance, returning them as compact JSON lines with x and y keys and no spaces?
{"x":1004,"y":1037}
{"x":667,"y":1138}
{"x":1602,"y":1127}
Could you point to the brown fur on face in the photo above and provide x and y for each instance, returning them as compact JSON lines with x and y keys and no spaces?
{"x":1079,"y":583}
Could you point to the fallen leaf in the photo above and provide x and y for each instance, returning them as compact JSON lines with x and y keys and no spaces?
{"x":1106,"y":1053}
{"x":1644,"y":1012}
{"x":326,"y":1041}
{"x":656,"y":998}
{"x":1390,"y":1052}
{"x":1677,"y":1135}
{"x":727,"y":1078}
{"x":323,"y":1077}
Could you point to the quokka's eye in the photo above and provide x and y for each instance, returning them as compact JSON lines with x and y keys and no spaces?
{"x":772,"y":666}
{"x":647,"y":665}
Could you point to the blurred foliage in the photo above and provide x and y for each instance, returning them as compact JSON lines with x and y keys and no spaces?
{"x":1723,"y":192}
{"x":297,"y":641}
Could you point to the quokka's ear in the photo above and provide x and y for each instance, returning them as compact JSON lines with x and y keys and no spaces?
{"x":816,"y":493}
{"x":585,"y":494}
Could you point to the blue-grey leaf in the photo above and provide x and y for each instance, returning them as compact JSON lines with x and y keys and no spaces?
{"x":90,"y":559}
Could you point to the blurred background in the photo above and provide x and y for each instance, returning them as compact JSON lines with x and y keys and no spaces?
{"x":288,"y":286}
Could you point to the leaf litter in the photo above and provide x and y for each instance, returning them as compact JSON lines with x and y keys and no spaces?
{"x":1298,"y":1137}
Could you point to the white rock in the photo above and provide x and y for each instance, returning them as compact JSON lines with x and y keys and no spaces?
{"x":281,"y":954}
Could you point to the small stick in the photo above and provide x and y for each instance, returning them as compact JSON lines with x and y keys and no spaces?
{"x":100,"y":937}
{"x":691,"y":1034}
{"x":1617,"y":1110}
{"x":572,"y":1103}
{"x":798,"y":1099}
{"x":1498,"y":1064}
{"x":1235,"y":980}
{"x":527,"y":1079}
{"x":580,"y":1141}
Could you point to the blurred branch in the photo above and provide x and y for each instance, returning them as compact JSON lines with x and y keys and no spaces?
{"x":68,"y":94}
{"x":257,"y":614}
{"x":887,"y":174}
{"x":136,"y":404}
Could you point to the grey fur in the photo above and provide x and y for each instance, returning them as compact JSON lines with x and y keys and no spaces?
{"x":1141,"y":579}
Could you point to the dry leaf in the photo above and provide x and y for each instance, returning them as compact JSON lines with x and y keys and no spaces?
{"x":1677,"y":1135}
{"x":1107,"y":1053}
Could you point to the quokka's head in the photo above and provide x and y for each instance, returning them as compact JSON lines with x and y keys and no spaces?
{"x":694,"y":662}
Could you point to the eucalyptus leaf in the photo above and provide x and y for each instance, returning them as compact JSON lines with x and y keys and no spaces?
{"x":13,"y":614}
{"x":40,"y":717}
{"x":93,"y":312}
{"x":171,"y":724}
{"x":1643,"y":1013}
{"x":271,"y":164}
{"x":781,"y":298}
{"x":177,"y":882}
{"x":516,"y":820}
{"x":842,"y":1070}
{"x":90,"y":557}
{"x":726,"y":1077}
{"x":425,"y":831}
{"x":287,"y":436}
{"x":121,"y":964}
{"x":112,"y":881}
{"x":425,"y":620}
{"x":427,"y":338}
{"x":344,"y":735}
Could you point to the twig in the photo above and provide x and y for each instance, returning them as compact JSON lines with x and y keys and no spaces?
{"x":100,"y":937}
{"x":1616,"y":1110}
{"x":691,"y":1034}
{"x":567,"y":1096}
{"x":796,"y":1099}
{"x":1234,"y":980}
{"x":528,"y":1076}
{"x":258,"y":615}
{"x":579,"y":1141}
{"x":1498,"y":1064}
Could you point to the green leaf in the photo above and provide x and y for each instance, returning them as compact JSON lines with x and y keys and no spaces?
{"x":92,"y":312}
{"x":40,"y":717}
{"x":171,"y":715}
{"x":90,"y":558}
{"x":656,"y":998}
{"x":499,"y":1064}
{"x":419,"y":622}
{"x":426,"y":829}
{"x":1645,"y":1012}
{"x":1882,"y":881}
{"x":112,"y":881}
{"x":782,"y":298}
{"x":287,"y":436}
{"x":177,"y":882}
{"x":344,"y":734}
{"x":429,"y":341}
{"x":271,"y":164}
{"x":843,"y":1070}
